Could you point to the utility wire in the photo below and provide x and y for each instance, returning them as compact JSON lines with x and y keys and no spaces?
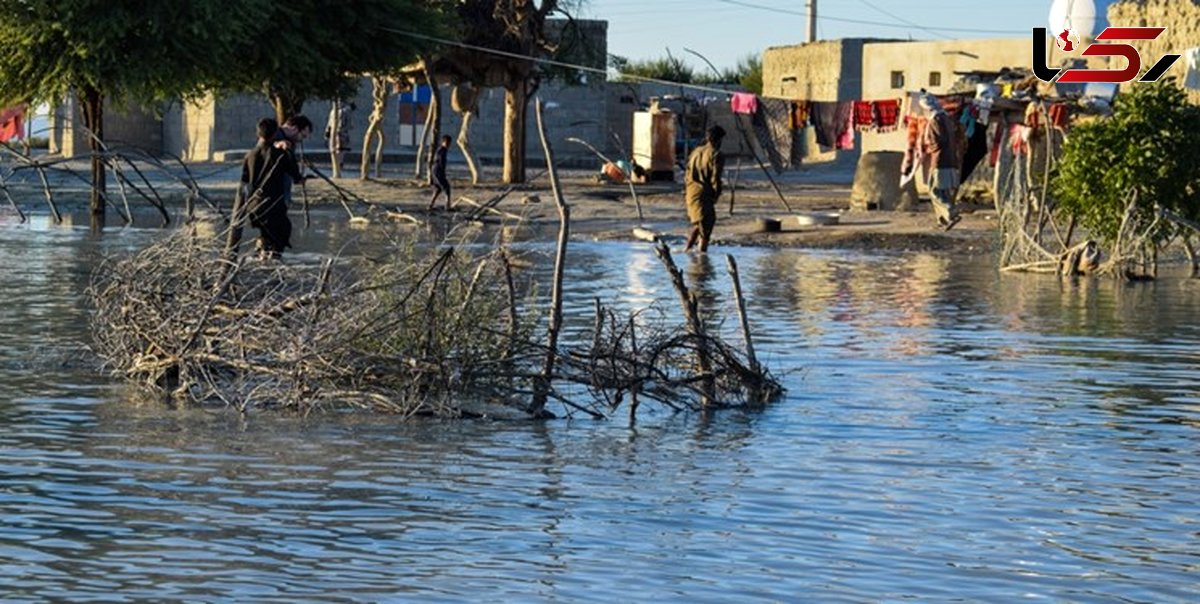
{"x":902,"y":20}
{"x":820,"y":17}
{"x":545,"y":61}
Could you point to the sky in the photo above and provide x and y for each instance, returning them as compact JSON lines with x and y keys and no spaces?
{"x":726,"y":30}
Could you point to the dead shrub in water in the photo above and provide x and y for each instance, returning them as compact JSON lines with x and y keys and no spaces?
{"x":400,"y":335}
{"x":434,"y":330}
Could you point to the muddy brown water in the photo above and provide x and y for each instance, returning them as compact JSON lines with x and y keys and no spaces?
{"x":949,"y":433}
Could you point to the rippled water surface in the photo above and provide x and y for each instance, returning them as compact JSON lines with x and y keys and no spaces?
{"x":949,"y":433}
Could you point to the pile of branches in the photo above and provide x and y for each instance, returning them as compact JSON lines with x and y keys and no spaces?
{"x":443,"y":330}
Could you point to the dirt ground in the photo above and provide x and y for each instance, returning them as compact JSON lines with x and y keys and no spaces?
{"x":606,"y":211}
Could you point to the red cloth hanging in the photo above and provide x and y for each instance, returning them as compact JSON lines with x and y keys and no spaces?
{"x":997,"y":139}
{"x":12,"y":123}
{"x":1059,"y":115}
{"x":864,"y":115}
{"x":887,"y":114}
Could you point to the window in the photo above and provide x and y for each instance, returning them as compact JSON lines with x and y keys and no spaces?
{"x":935,"y":78}
{"x":897,"y":79}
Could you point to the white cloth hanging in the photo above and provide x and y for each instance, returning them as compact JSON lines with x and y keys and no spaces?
{"x":1191,"y":79}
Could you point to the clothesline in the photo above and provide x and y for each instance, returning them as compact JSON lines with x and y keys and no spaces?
{"x":780,"y":124}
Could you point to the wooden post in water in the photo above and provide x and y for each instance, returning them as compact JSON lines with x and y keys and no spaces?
{"x":741,"y":306}
{"x":541,"y":392}
{"x":691,"y":312}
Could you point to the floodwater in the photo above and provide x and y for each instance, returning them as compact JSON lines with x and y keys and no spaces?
{"x":949,"y":433}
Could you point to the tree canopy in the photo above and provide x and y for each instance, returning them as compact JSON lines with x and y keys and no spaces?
{"x":316,"y":48}
{"x":747,"y":73}
{"x":1148,"y":148}
{"x":138,"y":50}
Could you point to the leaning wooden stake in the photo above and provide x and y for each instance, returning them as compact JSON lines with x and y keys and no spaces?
{"x":753,"y":153}
{"x":7,"y":195}
{"x":628,"y":175}
{"x":691,"y":312}
{"x":633,"y":354}
{"x":737,"y":172}
{"x":542,"y":388}
{"x":741,"y":306}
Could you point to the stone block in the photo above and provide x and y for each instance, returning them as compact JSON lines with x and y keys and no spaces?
{"x":877,"y":181}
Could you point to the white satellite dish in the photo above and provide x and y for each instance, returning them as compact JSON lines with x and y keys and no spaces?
{"x":1076,"y":16}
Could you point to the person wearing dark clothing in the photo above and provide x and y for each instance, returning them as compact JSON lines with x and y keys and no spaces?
{"x":702,"y":187}
{"x":437,"y":173}
{"x":289,"y":137}
{"x":267,"y":174}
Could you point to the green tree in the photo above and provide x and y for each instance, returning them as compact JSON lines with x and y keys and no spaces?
{"x":305,"y":49}
{"x":1150,"y":148}
{"x":749,"y":73}
{"x":127,"y":51}
{"x":667,"y":68}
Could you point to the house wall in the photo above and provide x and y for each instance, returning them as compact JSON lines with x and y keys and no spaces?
{"x":124,"y":124}
{"x":1180,"y":17}
{"x":828,"y":70}
{"x":918,"y":60}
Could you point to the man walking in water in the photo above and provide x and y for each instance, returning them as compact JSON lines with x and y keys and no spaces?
{"x":702,"y":187}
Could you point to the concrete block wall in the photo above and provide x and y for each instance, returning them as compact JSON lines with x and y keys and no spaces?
{"x":828,"y":70}
{"x":917,"y":61}
{"x":124,"y":124}
{"x":188,"y":129}
{"x":1180,"y":17}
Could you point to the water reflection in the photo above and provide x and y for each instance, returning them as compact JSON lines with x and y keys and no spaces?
{"x":949,"y":432}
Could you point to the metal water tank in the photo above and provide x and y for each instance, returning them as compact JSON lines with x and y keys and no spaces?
{"x":654,"y":142}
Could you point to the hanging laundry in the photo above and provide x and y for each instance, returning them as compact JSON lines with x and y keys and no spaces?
{"x":744,"y":102}
{"x":864,"y":115}
{"x":1033,"y":114}
{"x":968,"y":120}
{"x":845,"y":140}
{"x":997,"y":140}
{"x":912,"y":149}
{"x":1191,"y":78}
{"x":830,"y":122}
{"x":887,"y":114}
{"x":1059,"y":115}
{"x":772,"y":129}
{"x":984,"y":110}
{"x":799,"y":117}
{"x":1019,"y":135}
{"x":12,"y":123}
{"x":977,"y":149}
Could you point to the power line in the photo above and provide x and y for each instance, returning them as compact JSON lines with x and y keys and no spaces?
{"x":820,"y":17}
{"x":901,"y":19}
{"x":545,"y":61}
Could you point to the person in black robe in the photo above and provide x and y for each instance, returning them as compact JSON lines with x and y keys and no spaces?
{"x":267,"y":174}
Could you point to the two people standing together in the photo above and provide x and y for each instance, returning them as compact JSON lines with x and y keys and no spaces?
{"x":268,"y":172}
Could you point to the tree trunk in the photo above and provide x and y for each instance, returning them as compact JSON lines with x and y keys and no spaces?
{"x":334,"y":129}
{"x":515,"y":101}
{"x":374,"y":128}
{"x":92,"y":101}
{"x":286,"y":105}
{"x":435,"y":122}
{"x":464,"y":100}
{"x":464,"y":144}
